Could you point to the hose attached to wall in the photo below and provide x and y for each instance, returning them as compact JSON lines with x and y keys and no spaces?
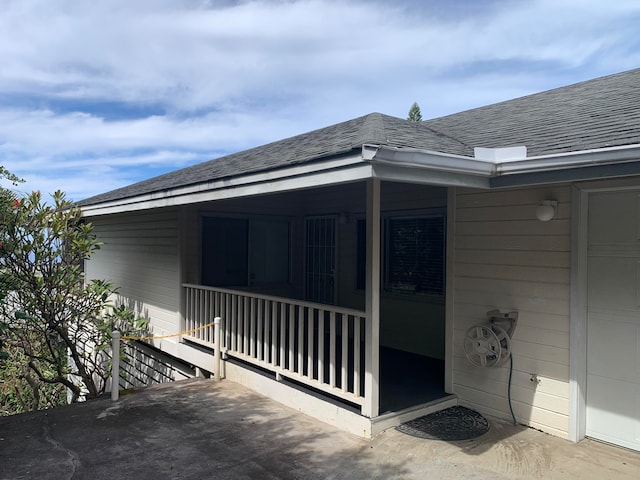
{"x":515,"y":422}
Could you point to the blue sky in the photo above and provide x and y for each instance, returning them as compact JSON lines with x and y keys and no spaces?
{"x":99,"y":94}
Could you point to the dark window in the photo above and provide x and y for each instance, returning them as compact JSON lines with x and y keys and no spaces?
{"x":241,"y":251}
{"x":413,"y":254}
{"x":224,"y":251}
{"x":415,"y":250}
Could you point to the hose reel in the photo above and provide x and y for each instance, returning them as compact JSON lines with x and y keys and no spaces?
{"x":489,"y":345}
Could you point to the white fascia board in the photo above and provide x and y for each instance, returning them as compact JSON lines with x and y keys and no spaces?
{"x":584,"y":158}
{"x":345,"y":170}
{"x":417,"y":158}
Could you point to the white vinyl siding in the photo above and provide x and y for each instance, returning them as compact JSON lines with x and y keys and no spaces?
{"x":506,"y":259}
{"x":139,"y":255}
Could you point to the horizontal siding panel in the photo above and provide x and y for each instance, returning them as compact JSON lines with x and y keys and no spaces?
{"x":534,"y":334}
{"x":514,"y":258}
{"x":159,"y":234}
{"x":156,"y":275}
{"x":168,"y":301}
{"x":136,"y":224}
{"x":524,"y":350}
{"x":519,"y":227}
{"x":538,"y":351}
{"x":469,"y":315}
{"x":520,"y":378}
{"x":521,"y":196}
{"x":505,"y":301}
{"x":499,"y":406}
{"x":524,"y":394}
{"x":506,"y":213}
{"x":132,"y":257}
{"x":152,"y":272}
{"x":549,"y":243}
{"x":536,"y":273}
{"x":543,"y":336}
{"x":514,"y":288}
{"x":542,"y":368}
{"x":132,"y":248}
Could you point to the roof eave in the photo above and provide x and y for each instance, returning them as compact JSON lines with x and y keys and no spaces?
{"x":570,"y":160}
{"x":344,"y":169}
{"x":428,"y":159}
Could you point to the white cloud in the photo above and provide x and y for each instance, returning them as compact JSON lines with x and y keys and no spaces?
{"x":110,"y":85}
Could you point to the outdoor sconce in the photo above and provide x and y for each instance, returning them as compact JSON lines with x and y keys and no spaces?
{"x":546,"y":210}
{"x":343,"y":218}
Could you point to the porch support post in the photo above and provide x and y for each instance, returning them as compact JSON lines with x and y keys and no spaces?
{"x":372,"y":299}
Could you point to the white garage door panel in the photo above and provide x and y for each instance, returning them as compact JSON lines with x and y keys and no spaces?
{"x":613,"y":283}
{"x":613,"y":348}
{"x":614,"y":409}
{"x":613,"y":319}
{"x":613,"y":218}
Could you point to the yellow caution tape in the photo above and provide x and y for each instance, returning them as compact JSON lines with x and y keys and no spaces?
{"x":152,"y":337}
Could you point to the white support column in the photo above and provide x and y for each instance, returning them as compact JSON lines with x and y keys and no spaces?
{"x":372,"y":329}
{"x":450,"y":290}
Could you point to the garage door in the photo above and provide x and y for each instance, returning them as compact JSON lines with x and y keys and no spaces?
{"x":613,"y":319}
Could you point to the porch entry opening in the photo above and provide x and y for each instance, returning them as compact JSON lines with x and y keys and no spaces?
{"x":320,"y":259}
{"x":412,"y":306}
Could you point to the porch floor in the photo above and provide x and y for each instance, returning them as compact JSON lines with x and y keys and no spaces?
{"x":408,"y":379}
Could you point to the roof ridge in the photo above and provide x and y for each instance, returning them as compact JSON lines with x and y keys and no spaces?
{"x":372,"y":130}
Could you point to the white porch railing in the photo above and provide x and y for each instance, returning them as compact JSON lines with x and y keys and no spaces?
{"x":319,"y":345}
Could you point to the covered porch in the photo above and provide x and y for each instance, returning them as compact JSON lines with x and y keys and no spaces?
{"x":305,"y":289}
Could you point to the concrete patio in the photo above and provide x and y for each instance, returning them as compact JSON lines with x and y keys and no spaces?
{"x":197,"y":429}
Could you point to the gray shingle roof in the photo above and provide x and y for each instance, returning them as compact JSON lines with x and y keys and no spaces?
{"x":599,"y":113}
{"x":594,"y":114}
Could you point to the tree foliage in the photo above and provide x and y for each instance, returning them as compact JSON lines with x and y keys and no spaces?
{"x":414,"y":113}
{"x":57,"y":325}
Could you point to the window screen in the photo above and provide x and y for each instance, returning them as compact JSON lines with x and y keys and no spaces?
{"x":415,"y":251}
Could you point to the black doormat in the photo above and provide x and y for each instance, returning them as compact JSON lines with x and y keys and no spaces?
{"x":454,"y":423}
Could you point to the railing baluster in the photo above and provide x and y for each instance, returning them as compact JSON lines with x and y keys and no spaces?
{"x":344,"y":357}
{"x":188,"y":313}
{"x":274,"y":333}
{"x":234,"y":319}
{"x":320,"y":354}
{"x":265,"y":345}
{"x":310,"y":341}
{"x":228,"y":300}
{"x":332,"y":349}
{"x":259,"y":346}
{"x":245,"y":325}
{"x":292,"y":328}
{"x":301,"y":316}
{"x":356,"y":356}
{"x":252,"y":329}
{"x":201,"y":307}
{"x":206,"y":333}
{"x":283,"y":328}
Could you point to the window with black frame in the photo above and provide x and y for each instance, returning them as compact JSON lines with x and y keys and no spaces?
{"x":413,"y":254}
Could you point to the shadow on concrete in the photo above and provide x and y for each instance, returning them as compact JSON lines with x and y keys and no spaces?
{"x":189,"y":429}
